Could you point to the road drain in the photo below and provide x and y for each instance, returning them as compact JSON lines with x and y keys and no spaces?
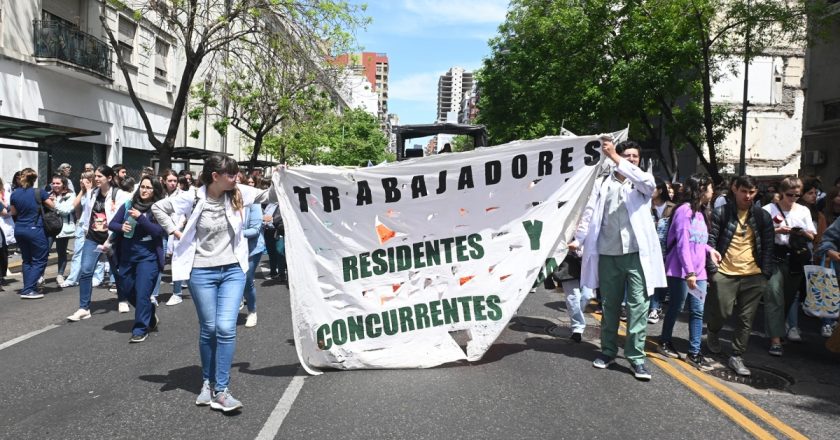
{"x":762,"y":378}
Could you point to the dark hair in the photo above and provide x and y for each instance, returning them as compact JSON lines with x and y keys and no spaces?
{"x":747,"y":182}
{"x":157,"y":190}
{"x":694,"y":188}
{"x":128,"y":184}
{"x":118,"y":167}
{"x":810,"y":184}
{"x":626,"y":145}
{"x":64,"y":183}
{"x":106,"y":171}
{"x":183,"y":183}
{"x":664,"y":194}
{"x":828,"y":210}
{"x":15,"y":180}
{"x":168,"y":172}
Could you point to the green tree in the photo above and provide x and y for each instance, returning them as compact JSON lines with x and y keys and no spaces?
{"x":204,"y":28}
{"x":462,"y":143}
{"x":353,"y":138}
{"x":596,"y":65}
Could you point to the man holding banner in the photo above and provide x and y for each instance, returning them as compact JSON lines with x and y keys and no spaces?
{"x":621,"y":250}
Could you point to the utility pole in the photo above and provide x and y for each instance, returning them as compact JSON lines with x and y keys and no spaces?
{"x":742,"y":168}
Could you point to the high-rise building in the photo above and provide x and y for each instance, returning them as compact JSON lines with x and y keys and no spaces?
{"x":452,"y":87}
{"x":374,"y":66}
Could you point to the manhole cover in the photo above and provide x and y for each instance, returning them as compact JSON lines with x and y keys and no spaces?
{"x":761,"y":378}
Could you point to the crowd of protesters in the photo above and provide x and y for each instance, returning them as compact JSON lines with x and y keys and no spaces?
{"x":645,"y":247}
{"x":722,"y":254}
{"x":214,"y":229}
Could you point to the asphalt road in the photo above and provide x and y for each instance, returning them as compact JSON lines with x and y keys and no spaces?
{"x":85,"y":381}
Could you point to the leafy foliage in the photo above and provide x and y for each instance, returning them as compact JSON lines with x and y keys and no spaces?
{"x":596,"y":65}
{"x":205,"y":28}
{"x":351,"y":139}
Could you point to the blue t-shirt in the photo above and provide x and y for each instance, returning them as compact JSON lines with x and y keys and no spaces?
{"x":28,"y":212}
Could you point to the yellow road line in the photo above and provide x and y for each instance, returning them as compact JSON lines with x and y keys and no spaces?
{"x":746,"y":403}
{"x":727,"y":409}
{"x":718,"y":403}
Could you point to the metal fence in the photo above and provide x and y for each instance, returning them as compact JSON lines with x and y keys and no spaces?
{"x":66,"y":42}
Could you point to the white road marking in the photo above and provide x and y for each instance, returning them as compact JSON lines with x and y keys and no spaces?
{"x":275,"y":420}
{"x":14,"y":341}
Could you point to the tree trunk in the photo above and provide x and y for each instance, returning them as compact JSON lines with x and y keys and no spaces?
{"x":258,"y":140}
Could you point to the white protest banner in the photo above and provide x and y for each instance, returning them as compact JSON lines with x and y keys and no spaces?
{"x":384,"y":262}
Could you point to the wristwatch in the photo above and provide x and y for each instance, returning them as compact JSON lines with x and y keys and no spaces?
{"x":690,"y":274}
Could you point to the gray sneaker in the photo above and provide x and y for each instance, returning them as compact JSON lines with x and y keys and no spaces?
{"x":205,"y":396}
{"x":737,"y":365}
{"x":602,"y":361}
{"x":224,"y":401}
{"x":713,"y":342}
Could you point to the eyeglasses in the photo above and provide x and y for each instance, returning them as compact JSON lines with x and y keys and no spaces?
{"x":793,"y":196}
{"x":148,"y":188}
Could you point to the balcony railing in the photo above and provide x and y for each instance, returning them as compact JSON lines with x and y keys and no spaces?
{"x":65,"y":42}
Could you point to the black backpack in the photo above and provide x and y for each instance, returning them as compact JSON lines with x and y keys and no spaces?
{"x":53,"y":224}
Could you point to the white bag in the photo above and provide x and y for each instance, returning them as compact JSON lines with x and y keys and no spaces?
{"x":822,"y":299}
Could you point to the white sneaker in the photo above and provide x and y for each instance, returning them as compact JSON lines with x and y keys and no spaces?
{"x":41,"y":282}
{"x":123,"y":307}
{"x":59,"y":279}
{"x":67,"y":283}
{"x":827,"y":330}
{"x":174,"y":300}
{"x":154,"y":301}
{"x":242,"y":304}
{"x":793,"y":335}
{"x":251,"y":320}
{"x":80,"y":314}
{"x":112,"y":289}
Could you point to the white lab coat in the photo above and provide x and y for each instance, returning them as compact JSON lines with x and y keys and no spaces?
{"x":183,"y":255}
{"x":638,"y":200}
{"x":111,"y":206}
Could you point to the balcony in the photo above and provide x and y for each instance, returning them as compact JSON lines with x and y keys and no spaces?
{"x":60,"y":43}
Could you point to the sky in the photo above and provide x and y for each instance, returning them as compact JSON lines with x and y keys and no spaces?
{"x":423,"y":39}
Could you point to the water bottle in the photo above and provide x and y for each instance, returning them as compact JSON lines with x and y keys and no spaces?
{"x":133,"y":223}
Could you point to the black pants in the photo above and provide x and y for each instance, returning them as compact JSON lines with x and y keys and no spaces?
{"x":4,"y":256}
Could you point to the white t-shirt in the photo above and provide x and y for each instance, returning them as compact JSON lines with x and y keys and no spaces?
{"x":798,"y":216}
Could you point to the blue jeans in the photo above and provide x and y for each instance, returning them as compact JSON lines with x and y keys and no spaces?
{"x":657,"y":298}
{"x":576,"y":301}
{"x":90,"y":256}
{"x":137,"y":279}
{"x":679,"y":293}
{"x":250,"y":289}
{"x":216,"y":292}
{"x":34,"y":250}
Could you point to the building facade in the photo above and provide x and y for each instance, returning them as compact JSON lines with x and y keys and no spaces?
{"x":821,"y":126}
{"x":775,"y":109}
{"x":374,"y":66}
{"x":56,"y":68}
{"x":453,"y":86}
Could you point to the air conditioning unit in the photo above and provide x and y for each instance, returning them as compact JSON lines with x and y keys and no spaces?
{"x":813,"y":157}
{"x":170,"y":88}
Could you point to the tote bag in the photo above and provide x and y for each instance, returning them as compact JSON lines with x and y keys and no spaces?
{"x":822,"y":296}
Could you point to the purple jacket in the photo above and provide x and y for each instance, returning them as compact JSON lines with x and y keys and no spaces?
{"x":687,"y":244}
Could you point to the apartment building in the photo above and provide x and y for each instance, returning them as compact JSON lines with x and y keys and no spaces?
{"x":452,"y":87}
{"x":374,"y":66}
{"x":62,"y":96}
{"x":821,"y":127}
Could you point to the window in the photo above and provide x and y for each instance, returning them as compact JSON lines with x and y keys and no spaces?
{"x":127,"y":31}
{"x":831,"y":111}
{"x":161,"y":55}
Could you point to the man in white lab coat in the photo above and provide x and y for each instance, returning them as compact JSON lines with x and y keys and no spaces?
{"x":621,"y":252}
